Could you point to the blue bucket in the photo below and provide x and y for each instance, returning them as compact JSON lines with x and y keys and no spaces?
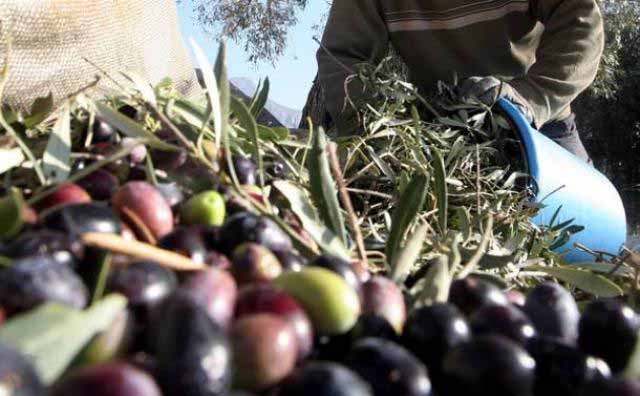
{"x":563,"y":181}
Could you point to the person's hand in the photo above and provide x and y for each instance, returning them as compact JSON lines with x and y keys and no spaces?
{"x":489,"y":90}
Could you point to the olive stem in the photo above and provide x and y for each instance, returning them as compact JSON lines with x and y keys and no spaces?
{"x":346,"y":202}
{"x":482,"y":248}
{"x":139,"y":250}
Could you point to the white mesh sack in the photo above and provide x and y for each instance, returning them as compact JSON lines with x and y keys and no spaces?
{"x":51,"y":39}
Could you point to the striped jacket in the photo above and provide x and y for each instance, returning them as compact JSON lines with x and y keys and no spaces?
{"x":549,"y":50}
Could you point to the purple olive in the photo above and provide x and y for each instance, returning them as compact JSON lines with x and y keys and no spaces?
{"x":264,"y":351}
{"x":187,"y":241}
{"x":145,"y":202}
{"x":100,"y":184}
{"x":108,"y":379}
{"x":102,"y":130}
{"x":67,"y":193}
{"x":216,"y":291}
{"x":254,"y":263}
{"x":382,"y":297}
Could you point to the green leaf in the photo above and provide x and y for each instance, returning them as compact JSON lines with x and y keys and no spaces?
{"x":407,"y":257}
{"x":589,"y":282}
{"x":301,"y":205}
{"x":10,"y":158}
{"x":223,"y":84}
{"x":142,"y":86}
{"x":211,"y":85}
{"x":410,"y":203}
{"x":440,"y":176}
{"x":437,"y":283}
{"x":260,"y":99}
{"x":277,"y":134}
{"x":40,"y":110}
{"x":11,"y":220}
{"x":246,"y":120}
{"x":56,"y":161}
{"x":323,"y":188}
{"x":52,"y":335}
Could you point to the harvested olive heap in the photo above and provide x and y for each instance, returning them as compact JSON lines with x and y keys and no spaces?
{"x":152,"y":245}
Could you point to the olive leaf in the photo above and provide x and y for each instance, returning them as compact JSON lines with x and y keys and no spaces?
{"x":440,"y":176}
{"x":213,"y":93}
{"x":56,"y":160}
{"x":301,"y":205}
{"x":323,"y":187}
{"x":260,"y":98}
{"x":11,"y":207}
{"x":246,"y":120}
{"x":437,"y":282}
{"x":409,"y":254}
{"x":40,"y":110}
{"x":411,"y":201}
{"x":595,"y":284}
{"x":223,"y":86}
{"x":52,"y":335}
{"x":10,"y":158}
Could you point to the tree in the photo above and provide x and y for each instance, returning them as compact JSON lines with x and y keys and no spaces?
{"x":261,"y":25}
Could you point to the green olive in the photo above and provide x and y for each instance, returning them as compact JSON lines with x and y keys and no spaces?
{"x":206,"y":208}
{"x":332,"y":304}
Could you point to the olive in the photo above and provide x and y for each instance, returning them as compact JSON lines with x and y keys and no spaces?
{"x":325,"y":379}
{"x":17,"y":375}
{"x":562,"y":370}
{"x":388,"y":368}
{"x":340,"y":267}
{"x":370,"y":325}
{"x":100,"y":184}
{"x":128,"y":111}
{"x":216,"y":291}
{"x":489,"y":366}
{"x":332,"y":304}
{"x":77,"y":219}
{"x":248,"y":227}
{"x":145,"y":202}
{"x":102,"y":130}
{"x":171,"y":192}
{"x":505,"y":320}
{"x":613,"y":387}
{"x":107,"y":379}
{"x":254,"y":263}
{"x":206,"y":208}
{"x":245,"y":169}
{"x":432,"y":331}
{"x":111,"y":343}
{"x":67,"y":193}
{"x":169,"y":160}
{"x":144,"y":283}
{"x":265,"y":349}
{"x":217,"y":260}
{"x":187,"y":241}
{"x":260,"y":298}
{"x":61,"y":247}
{"x":516,"y":298}
{"x":553,"y":312}
{"x":609,"y":329}
{"x":193,"y":353}
{"x":382,"y":297}
{"x":470,"y":293}
{"x":291,"y":260}
{"x":138,"y":152}
{"x":32,"y":281}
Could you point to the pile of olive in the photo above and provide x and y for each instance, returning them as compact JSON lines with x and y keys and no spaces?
{"x":260,"y":319}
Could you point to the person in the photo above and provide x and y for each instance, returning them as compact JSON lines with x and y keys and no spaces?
{"x":540,"y":54}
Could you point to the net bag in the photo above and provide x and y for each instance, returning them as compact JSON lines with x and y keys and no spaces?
{"x":50,"y":40}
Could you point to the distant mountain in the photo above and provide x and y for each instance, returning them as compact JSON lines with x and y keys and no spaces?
{"x":285,"y":115}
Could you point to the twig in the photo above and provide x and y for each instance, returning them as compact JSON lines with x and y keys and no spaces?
{"x":139,"y":250}
{"x":482,"y":248}
{"x":478,"y":179}
{"x":346,"y":201}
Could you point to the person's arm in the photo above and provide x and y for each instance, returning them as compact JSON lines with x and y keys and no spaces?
{"x":567,"y":58}
{"x":355,"y":33}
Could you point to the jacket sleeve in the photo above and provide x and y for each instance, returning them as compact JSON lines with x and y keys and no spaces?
{"x":355,"y":33}
{"x":567,"y":58}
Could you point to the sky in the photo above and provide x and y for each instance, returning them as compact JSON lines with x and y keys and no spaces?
{"x":292,"y":75}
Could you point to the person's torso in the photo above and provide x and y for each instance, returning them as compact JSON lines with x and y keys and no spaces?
{"x":448,"y":39}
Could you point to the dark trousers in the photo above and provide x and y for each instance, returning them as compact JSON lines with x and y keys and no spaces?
{"x":565,"y":133}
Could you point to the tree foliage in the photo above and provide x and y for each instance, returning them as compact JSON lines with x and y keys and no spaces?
{"x":261,"y":26}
